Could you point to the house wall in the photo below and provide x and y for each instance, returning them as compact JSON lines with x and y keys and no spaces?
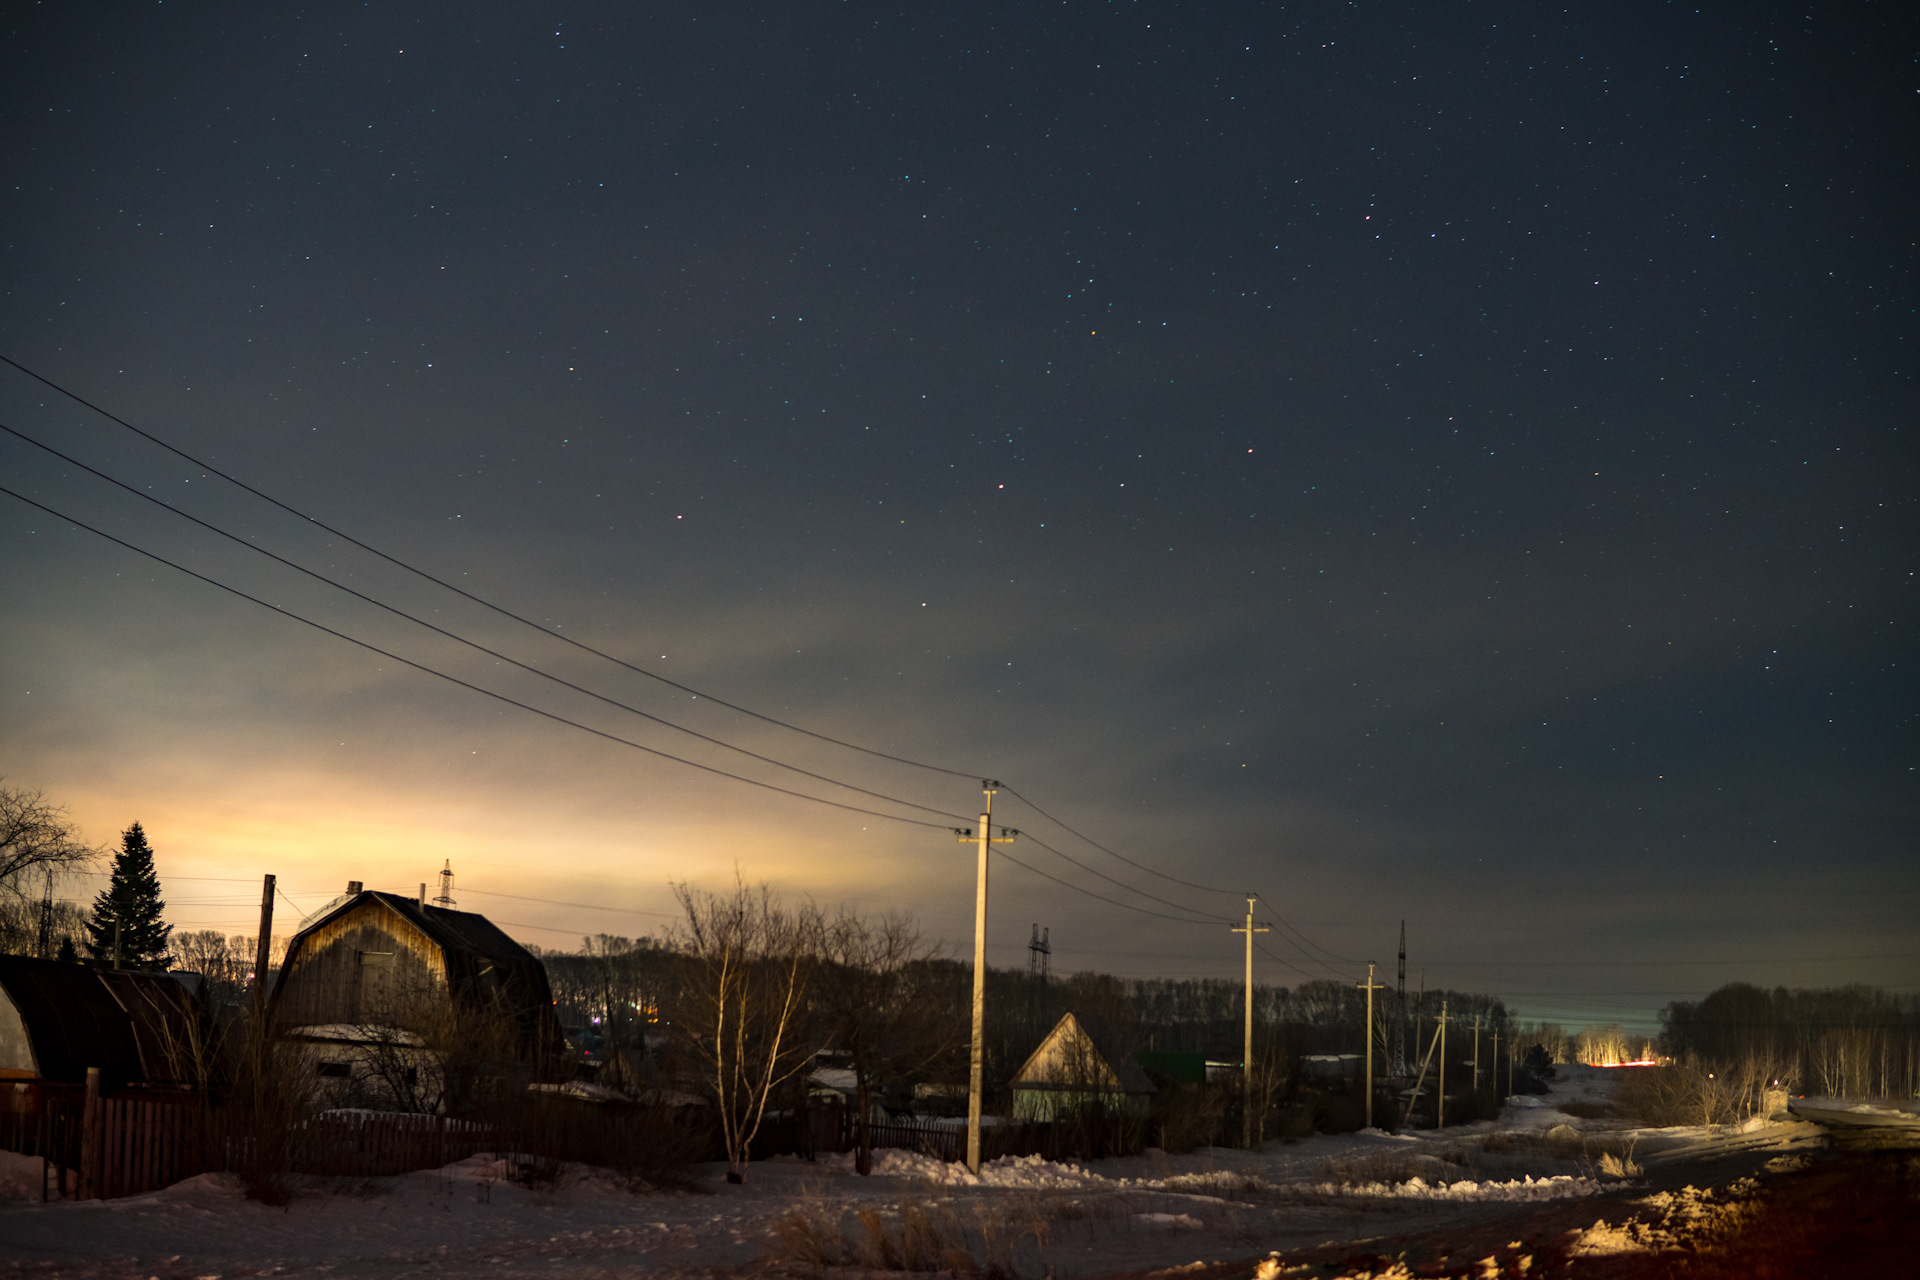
{"x":382,"y":1075}
{"x":370,"y":965}
{"x":1053,"y":1104}
{"x":16,"y":1050}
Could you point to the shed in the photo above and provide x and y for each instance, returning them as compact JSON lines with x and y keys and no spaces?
{"x":57,"y":1019}
{"x":389,"y":960}
{"x":1069,"y":1071}
{"x":1175,"y":1068}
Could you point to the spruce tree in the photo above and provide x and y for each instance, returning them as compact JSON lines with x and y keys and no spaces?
{"x":131,"y":902}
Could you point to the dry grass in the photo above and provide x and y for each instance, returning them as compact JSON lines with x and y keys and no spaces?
{"x":1613,"y":1166}
{"x":989,"y":1239}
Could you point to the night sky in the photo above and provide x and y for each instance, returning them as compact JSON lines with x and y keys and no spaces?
{"x":1442,"y":462}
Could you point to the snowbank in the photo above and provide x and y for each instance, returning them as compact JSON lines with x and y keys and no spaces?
{"x":1561,"y":1187}
{"x":1032,"y":1172}
{"x":21,"y":1177}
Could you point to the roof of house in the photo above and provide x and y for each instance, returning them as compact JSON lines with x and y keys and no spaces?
{"x":138,"y":1028}
{"x":1041,"y":1069}
{"x":481,"y":962}
{"x":469,"y":943}
{"x":1182,"y":1068}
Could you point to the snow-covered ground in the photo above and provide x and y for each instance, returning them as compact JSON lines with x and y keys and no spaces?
{"x":1150,"y":1211}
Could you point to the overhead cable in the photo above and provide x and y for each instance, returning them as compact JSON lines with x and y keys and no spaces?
{"x":455,"y":680}
{"x":471,"y":644}
{"x":461,"y":591}
{"x":1151,"y":897}
{"x":1204,"y":888}
{"x":1098,"y":896}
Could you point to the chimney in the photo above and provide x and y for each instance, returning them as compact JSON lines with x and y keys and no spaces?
{"x":421,"y":902}
{"x":353,"y":886}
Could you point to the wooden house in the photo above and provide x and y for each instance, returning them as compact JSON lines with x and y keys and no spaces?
{"x":372,"y":959}
{"x":1069,"y":1071}
{"x":142,"y":1030}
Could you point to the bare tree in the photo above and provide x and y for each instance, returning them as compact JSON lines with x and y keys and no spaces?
{"x":35,"y":834}
{"x":21,"y":921}
{"x":874,"y":994}
{"x":750,"y":960}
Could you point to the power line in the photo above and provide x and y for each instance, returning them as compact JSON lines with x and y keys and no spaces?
{"x":1282,"y":960}
{"x":1204,"y":888}
{"x":580,"y":645}
{"x":471,"y":644}
{"x":1660,"y":964}
{"x":1151,"y":897}
{"x":1304,"y":939}
{"x":455,"y":680}
{"x":457,"y":590}
{"x":1101,"y":897}
{"x":555,"y":902}
{"x":1139,"y":866}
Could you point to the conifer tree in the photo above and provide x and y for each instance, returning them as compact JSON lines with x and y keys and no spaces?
{"x":131,"y":902}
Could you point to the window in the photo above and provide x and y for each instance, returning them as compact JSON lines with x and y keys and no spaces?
{"x":336,"y":1070}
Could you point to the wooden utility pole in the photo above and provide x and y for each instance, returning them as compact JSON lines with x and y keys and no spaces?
{"x":1246,"y":1052}
{"x":1400,"y":1012}
{"x":1496,"y":1071}
{"x":976,"y":1067}
{"x":1440,"y":1095}
{"x":1476,"y":1057}
{"x":263,"y":947}
{"x":1371,"y":987}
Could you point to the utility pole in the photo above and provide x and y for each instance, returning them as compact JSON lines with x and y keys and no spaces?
{"x":1246,"y":1054}
{"x":976,"y":1067}
{"x":263,"y":948}
{"x":1476,"y":1056}
{"x":445,"y":897}
{"x":1419,"y":1010}
{"x":1371,"y":987}
{"x":1496,"y":1070}
{"x":1440,"y":1096}
{"x":1400,"y":1011}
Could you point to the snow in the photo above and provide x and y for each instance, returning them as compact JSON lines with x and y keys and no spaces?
{"x":1560,"y":1187}
{"x":21,"y":1177}
{"x":356,"y":1033}
{"x":1031,"y":1172}
{"x":1146,"y":1212}
{"x":584,"y":1090}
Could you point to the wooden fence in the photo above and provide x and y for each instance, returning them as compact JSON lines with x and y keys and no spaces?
{"x":102,"y":1147}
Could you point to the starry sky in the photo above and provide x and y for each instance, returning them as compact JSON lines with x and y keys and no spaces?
{"x":1449,"y":463}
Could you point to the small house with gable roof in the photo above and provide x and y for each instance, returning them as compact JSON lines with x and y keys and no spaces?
{"x":1069,"y":1071}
